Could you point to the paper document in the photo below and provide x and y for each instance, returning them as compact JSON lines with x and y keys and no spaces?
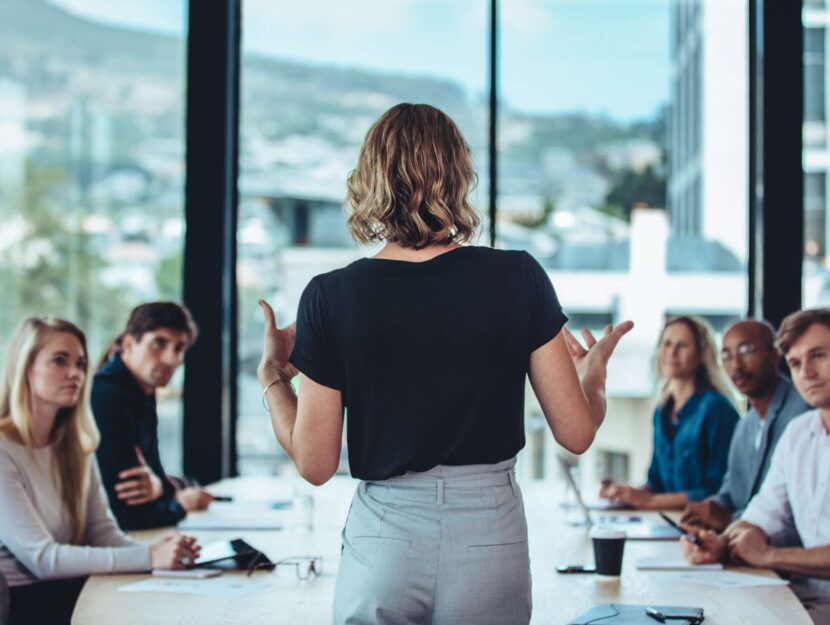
{"x":221,"y":522}
{"x":225,"y":585}
{"x":674,"y":564}
{"x":236,"y":516}
{"x":725,"y":579}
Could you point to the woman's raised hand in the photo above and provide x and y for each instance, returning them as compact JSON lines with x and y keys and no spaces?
{"x":593,"y":360}
{"x":276,"y":348}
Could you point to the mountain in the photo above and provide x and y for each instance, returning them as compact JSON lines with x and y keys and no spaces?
{"x":305,"y":121}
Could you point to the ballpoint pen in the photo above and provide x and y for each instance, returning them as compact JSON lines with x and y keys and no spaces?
{"x":690,"y":537}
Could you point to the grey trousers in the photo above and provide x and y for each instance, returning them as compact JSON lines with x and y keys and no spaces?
{"x":443,"y":547}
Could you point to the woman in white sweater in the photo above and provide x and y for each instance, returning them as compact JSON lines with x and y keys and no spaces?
{"x":55,"y":523}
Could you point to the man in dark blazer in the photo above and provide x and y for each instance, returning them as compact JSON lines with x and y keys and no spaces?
{"x":143,"y":358}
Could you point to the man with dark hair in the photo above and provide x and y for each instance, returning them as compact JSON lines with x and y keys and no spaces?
{"x":143,"y":358}
{"x":796,"y":491}
{"x":750,"y":358}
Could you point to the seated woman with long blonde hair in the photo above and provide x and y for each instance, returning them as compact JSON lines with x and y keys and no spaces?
{"x":693,"y":422}
{"x":55,"y":524}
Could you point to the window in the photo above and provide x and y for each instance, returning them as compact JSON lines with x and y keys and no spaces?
{"x":315,"y":75}
{"x":815,"y":237}
{"x":604,"y":125}
{"x":815,"y":112}
{"x":92,"y":168}
{"x":816,"y":279}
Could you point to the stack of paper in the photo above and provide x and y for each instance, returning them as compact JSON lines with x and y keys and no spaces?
{"x":225,"y":585}
{"x":726,"y":579}
{"x":676,"y":564}
{"x":235,"y":516}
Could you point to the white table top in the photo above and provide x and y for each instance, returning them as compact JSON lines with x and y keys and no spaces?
{"x":556,"y":598}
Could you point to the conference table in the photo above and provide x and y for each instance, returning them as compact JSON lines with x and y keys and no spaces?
{"x":279,"y":597}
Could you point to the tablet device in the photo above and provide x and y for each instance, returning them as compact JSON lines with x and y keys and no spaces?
{"x":227,"y":554}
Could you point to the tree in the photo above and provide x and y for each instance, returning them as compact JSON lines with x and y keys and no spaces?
{"x":53,"y":269}
{"x":632,"y":187}
{"x":536,"y":221}
{"x":169,"y":276}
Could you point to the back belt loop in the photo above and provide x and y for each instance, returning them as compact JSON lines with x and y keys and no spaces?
{"x":439,"y":485}
{"x":511,"y":473}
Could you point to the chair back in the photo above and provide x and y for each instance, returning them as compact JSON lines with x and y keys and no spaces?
{"x":4,"y":600}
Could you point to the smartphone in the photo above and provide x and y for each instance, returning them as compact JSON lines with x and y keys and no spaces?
{"x":572,"y":569}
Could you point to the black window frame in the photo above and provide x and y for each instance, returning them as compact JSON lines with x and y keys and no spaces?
{"x":776,"y":93}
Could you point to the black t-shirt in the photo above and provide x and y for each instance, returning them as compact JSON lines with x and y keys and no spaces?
{"x":430,"y":357}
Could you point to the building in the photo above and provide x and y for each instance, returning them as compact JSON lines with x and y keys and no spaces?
{"x":708,"y":176}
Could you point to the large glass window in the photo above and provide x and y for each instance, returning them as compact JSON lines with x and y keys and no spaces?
{"x":816,"y":277}
{"x":815,"y":110}
{"x":622,"y":155}
{"x":315,"y":75}
{"x":92,"y":168}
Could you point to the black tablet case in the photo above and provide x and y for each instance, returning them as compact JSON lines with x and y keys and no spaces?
{"x":621,"y":614}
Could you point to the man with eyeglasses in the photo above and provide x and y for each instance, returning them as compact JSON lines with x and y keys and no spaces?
{"x":750,"y":358}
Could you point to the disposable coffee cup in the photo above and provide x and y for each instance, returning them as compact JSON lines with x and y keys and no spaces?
{"x":608,"y":550}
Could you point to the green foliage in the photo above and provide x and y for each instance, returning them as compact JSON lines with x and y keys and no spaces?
{"x":539,"y":220}
{"x":169,"y":276}
{"x":632,"y":186}
{"x":612,"y":210}
{"x":53,"y":269}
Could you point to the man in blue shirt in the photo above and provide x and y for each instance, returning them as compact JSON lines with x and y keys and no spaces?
{"x":751,"y":360}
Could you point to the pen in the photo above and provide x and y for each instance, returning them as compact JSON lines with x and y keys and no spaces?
{"x":690,"y":537}
{"x":657,"y":615}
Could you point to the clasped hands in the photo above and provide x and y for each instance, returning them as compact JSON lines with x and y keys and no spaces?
{"x":741,"y":542}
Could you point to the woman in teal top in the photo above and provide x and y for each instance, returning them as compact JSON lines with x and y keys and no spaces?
{"x":693,"y":422}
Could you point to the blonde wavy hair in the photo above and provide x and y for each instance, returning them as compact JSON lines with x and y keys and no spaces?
{"x":74,"y":436}
{"x":708,"y":372}
{"x":412,"y":180}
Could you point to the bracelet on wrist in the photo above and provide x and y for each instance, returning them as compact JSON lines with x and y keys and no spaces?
{"x":272,"y":384}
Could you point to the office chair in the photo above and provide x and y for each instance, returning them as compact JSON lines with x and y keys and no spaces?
{"x":4,"y":600}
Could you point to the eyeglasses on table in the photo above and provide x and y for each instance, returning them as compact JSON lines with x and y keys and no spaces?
{"x":304,"y":566}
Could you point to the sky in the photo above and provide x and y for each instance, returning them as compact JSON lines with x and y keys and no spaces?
{"x":607,"y":57}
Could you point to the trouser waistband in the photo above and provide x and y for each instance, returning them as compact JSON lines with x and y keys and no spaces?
{"x":441,"y":478}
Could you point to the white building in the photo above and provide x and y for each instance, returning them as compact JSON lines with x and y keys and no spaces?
{"x":708,"y":137}
{"x":816,"y":160}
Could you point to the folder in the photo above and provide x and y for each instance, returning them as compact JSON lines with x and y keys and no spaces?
{"x":621,"y":614}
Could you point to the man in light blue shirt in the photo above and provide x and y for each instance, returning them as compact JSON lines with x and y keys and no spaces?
{"x":751,"y":360}
{"x":795,"y":494}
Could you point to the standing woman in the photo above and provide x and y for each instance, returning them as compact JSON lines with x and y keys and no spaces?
{"x":693,"y":422}
{"x":55,"y":524}
{"x":427,"y":345}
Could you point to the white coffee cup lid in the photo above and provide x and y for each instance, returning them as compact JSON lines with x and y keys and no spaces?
{"x":607,"y":532}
